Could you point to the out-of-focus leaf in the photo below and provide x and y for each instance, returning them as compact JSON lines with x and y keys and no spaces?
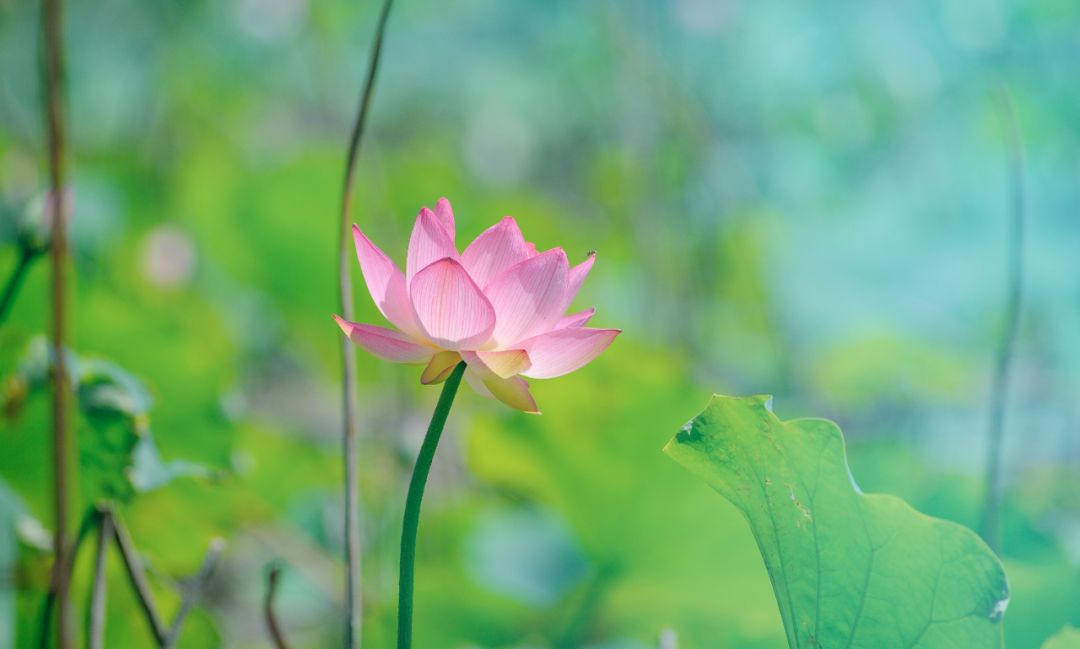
{"x":105,"y":456}
{"x":33,"y":534}
{"x":118,"y":456}
{"x":32,"y":230}
{"x":528,"y":555}
{"x":25,"y":558}
{"x":1067,"y":638}
{"x":1045,"y":595}
{"x":848,"y":569}
{"x":32,"y":374}
{"x":103,"y":387}
{"x":10,"y":509}
{"x":106,"y":389}
{"x":149,"y":471}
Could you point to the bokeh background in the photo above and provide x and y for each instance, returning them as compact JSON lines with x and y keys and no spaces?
{"x":804,"y":199}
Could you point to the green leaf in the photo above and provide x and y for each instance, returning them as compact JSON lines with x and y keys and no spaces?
{"x":106,"y":444}
{"x":1067,"y":638}
{"x":848,"y":569}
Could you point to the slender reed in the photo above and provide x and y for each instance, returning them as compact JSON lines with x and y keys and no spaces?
{"x":991,"y":518}
{"x":165,"y":637}
{"x":53,"y":73}
{"x":95,"y":626}
{"x":88,"y":521}
{"x":353,"y":594}
{"x":137,"y":578}
{"x":412,"y":505}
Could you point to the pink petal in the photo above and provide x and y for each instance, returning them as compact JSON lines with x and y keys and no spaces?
{"x":384,"y":343}
{"x":386,"y":283}
{"x":428,"y":243}
{"x":577,"y":277}
{"x":494,"y":251}
{"x":439,"y":367}
{"x":529,"y":297}
{"x":450,"y":308}
{"x":503,"y":364}
{"x":564,"y":350}
{"x":445,"y":214}
{"x":575,"y":319}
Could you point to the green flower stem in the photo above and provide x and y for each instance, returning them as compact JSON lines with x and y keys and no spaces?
{"x":412,"y":505}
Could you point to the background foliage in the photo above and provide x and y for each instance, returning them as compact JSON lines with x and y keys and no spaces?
{"x":806,"y":200}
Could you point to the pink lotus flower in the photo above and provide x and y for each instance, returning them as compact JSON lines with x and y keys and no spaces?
{"x":499,"y":305}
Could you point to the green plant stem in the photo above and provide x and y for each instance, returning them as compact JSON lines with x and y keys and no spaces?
{"x":137,"y":577}
{"x":991,"y":518}
{"x":353,"y":593}
{"x":412,"y":505}
{"x":89,"y":520}
{"x":95,"y":625}
{"x":62,"y":479}
{"x":11,"y":289}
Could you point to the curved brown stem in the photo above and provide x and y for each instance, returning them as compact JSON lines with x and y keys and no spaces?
{"x":272,"y":626}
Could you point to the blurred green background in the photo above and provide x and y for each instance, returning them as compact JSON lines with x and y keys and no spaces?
{"x":803,"y":199}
